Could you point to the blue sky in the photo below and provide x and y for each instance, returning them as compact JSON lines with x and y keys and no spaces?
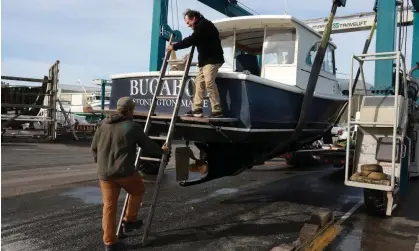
{"x":94,"y":39}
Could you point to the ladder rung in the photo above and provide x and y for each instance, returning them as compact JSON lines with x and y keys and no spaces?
{"x":161,"y":116}
{"x":180,"y":61}
{"x":150,"y":159}
{"x":158,"y":137}
{"x":172,"y":78}
{"x":176,"y":61}
{"x":161,"y":96}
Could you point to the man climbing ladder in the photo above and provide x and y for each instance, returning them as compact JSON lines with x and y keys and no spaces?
{"x":168,"y":138}
{"x":118,"y":136}
{"x":206,"y":38}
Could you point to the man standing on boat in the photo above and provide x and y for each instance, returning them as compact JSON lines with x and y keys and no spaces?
{"x":206,"y":38}
{"x":114,"y":151}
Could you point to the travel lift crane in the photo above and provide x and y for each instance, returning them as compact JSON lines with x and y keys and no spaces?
{"x":155,"y":63}
{"x":379,"y":199}
{"x":359,"y":21}
{"x":161,"y":31}
{"x":163,"y":161}
{"x":386,"y":150}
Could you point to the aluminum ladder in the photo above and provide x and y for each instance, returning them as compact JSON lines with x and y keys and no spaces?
{"x":167,"y":138}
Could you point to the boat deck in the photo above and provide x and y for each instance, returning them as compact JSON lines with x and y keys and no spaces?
{"x":167,"y":117}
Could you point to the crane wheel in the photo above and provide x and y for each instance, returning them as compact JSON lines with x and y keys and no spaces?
{"x":375,"y":202}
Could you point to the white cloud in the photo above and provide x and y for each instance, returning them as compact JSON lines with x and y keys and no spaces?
{"x":39,"y":69}
{"x":98,"y":38}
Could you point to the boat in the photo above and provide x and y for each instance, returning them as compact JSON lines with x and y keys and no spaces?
{"x":268,"y":60}
{"x":84,"y":104}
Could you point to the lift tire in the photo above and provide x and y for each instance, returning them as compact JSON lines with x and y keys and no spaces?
{"x":293,"y":162}
{"x":375,"y":202}
{"x":377,"y":176}
{"x":371,"y":168}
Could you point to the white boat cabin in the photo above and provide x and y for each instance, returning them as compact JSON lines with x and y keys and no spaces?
{"x":279,"y":48}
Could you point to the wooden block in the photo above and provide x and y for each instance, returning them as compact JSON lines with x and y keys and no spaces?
{"x":364,"y":179}
{"x":308,"y":231}
{"x":325,"y":238}
{"x":182,"y":163}
{"x":321,"y":218}
{"x":199,"y":166}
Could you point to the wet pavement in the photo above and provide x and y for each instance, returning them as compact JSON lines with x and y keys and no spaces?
{"x":398,"y":232}
{"x":256,"y":210}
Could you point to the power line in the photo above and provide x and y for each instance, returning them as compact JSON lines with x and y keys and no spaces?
{"x":247,"y":7}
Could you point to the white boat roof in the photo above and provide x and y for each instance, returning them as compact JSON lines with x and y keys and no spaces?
{"x":259,"y":21}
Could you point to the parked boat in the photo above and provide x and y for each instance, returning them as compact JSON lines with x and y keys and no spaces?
{"x":268,"y":60}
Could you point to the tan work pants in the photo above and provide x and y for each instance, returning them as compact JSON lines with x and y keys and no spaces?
{"x":206,"y":78}
{"x":134,"y":186}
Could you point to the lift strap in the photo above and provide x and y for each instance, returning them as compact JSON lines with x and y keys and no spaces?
{"x":312,"y":82}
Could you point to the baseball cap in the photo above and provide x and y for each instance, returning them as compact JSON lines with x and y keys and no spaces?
{"x":125,"y":104}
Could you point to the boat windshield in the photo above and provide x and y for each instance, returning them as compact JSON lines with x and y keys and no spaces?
{"x":279,"y":46}
{"x":228,"y":46}
{"x":245,"y":49}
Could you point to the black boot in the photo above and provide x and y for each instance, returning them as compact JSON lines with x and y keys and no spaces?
{"x":195,"y":113}
{"x":216,"y":115}
{"x":130,"y":226}
{"x":114,"y":247}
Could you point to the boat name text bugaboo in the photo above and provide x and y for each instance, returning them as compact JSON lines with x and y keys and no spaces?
{"x":143,"y":89}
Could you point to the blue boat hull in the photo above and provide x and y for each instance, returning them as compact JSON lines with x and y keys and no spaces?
{"x":256,"y":106}
{"x":265,"y":117}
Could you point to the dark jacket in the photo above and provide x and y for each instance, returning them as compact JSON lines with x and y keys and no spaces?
{"x":206,"y":38}
{"x":114,"y":146}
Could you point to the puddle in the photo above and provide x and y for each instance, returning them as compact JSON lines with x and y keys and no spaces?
{"x":219,"y":192}
{"x":89,"y":195}
{"x":224,"y":191}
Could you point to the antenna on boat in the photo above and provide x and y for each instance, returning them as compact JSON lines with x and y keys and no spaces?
{"x":286,"y":7}
{"x":78,"y":81}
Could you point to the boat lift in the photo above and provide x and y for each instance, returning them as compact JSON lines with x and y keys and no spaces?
{"x":387,"y":120}
{"x":382,"y":148}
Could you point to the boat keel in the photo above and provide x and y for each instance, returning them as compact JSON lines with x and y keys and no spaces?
{"x":222,"y":160}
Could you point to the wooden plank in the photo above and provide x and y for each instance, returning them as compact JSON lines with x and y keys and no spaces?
{"x":363,"y":179}
{"x":23,"y":94}
{"x":25,"y":106}
{"x":110,"y":111}
{"x":37,"y":80}
{"x":208,"y":120}
{"x":24,"y":118}
{"x":205,"y":120}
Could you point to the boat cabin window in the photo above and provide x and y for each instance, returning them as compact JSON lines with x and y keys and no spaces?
{"x":247,"y":45}
{"x":328,"y":61}
{"x":248,"y":55}
{"x":279,"y":46}
{"x":99,"y":97}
